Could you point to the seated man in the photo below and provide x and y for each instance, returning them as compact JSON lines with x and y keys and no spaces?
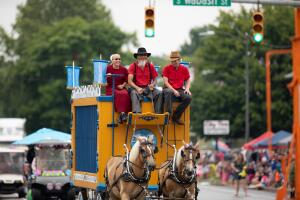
{"x":175,"y":76}
{"x":142,"y":78}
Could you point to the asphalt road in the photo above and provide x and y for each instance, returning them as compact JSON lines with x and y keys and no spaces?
{"x":208,"y":192}
{"x":10,"y":197}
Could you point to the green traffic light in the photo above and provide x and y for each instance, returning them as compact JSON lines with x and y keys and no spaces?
{"x":258,"y":37}
{"x":149,"y":32}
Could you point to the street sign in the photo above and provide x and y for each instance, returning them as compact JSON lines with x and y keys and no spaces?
{"x":216,"y":127}
{"x":202,"y":2}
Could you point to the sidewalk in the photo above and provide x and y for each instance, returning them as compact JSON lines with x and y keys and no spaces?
{"x":208,"y":183}
{"x":212,"y":192}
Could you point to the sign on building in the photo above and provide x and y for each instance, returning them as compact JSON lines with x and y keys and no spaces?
{"x":216,"y":127}
{"x":12,"y":129}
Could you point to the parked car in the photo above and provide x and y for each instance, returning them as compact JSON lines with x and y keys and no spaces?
{"x":12,"y":179}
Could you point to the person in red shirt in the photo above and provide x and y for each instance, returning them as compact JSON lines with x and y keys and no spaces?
{"x":142,"y":79}
{"x":177,"y":83}
{"x":122,"y":98}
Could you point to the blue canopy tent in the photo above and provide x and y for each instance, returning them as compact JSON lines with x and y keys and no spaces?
{"x":45,"y":136}
{"x":279,"y":140}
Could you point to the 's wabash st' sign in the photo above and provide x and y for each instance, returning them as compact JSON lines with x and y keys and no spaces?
{"x":202,"y":2}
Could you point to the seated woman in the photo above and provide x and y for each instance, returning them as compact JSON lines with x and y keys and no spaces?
{"x":122,"y":98}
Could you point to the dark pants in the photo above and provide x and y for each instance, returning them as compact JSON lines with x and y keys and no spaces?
{"x":185,"y":100}
{"x":155,"y":96}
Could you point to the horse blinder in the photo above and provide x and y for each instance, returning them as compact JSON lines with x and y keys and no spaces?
{"x":182,"y":154}
{"x":197,"y":156}
{"x":155,"y":149}
{"x":143,"y":152}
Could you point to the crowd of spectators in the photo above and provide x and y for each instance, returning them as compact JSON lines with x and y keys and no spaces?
{"x":250,"y":169}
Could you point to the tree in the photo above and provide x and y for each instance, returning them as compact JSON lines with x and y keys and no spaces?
{"x":219,"y":60}
{"x":51,"y":34}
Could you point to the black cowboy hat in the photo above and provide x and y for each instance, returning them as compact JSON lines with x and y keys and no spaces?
{"x":141,"y":51}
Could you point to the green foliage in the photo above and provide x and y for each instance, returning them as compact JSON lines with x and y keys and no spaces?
{"x":51,"y":35}
{"x":197,"y":35}
{"x":219,"y":58}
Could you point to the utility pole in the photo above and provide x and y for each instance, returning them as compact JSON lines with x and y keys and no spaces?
{"x":247,"y":118}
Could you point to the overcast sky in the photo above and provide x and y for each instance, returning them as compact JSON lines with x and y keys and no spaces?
{"x":172,"y":27}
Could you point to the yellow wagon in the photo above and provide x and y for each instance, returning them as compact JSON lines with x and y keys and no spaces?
{"x":96,"y":136}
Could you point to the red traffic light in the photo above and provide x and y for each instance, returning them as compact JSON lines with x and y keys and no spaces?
{"x":149,"y":12}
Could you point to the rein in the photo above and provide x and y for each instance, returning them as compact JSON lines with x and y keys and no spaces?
{"x":130,"y":174}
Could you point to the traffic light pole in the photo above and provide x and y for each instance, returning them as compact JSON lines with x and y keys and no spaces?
{"x":270,"y":2}
{"x":269,"y":54}
{"x":296,"y":98}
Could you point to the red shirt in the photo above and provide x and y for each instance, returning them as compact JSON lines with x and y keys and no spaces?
{"x":175,"y":77}
{"x":142,"y":76}
{"x":118,"y":80}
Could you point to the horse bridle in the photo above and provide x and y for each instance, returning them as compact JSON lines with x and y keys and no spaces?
{"x":146,"y":166}
{"x":174,"y":174}
{"x":189,"y":158}
{"x":128,"y":174}
{"x":145,"y":155}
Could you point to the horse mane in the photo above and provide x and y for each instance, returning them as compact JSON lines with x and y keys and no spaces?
{"x":135,"y":150}
{"x":178,"y":157}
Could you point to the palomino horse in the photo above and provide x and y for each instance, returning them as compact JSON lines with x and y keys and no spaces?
{"x":127,"y":178}
{"x":177,"y":178}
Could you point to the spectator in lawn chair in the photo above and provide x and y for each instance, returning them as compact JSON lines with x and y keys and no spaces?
{"x":176,"y":83}
{"x":142,"y":79}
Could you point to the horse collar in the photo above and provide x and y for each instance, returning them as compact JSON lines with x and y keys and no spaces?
{"x":174,"y":176}
{"x":129,"y":174}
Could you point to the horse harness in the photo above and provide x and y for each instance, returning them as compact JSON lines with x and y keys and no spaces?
{"x":173,"y":174}
{"x":129,"y":176}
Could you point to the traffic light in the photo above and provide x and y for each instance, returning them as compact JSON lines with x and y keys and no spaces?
{"x":258,"y":26}
{"x":149,"y":22}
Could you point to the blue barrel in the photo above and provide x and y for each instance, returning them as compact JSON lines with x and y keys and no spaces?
{"x":100,"y":71}
{"x":73,"y":73}
{"x":157,"y":68}
{"x":186,"y":64}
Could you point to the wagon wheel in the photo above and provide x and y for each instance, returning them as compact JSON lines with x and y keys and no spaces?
{"x":98,"y":196}
{"x":101,"y":196}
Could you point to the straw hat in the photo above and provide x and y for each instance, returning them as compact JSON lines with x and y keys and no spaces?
{"x":175,"y":55}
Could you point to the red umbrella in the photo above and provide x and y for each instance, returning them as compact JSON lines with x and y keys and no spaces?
{"x":250,"y":145}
